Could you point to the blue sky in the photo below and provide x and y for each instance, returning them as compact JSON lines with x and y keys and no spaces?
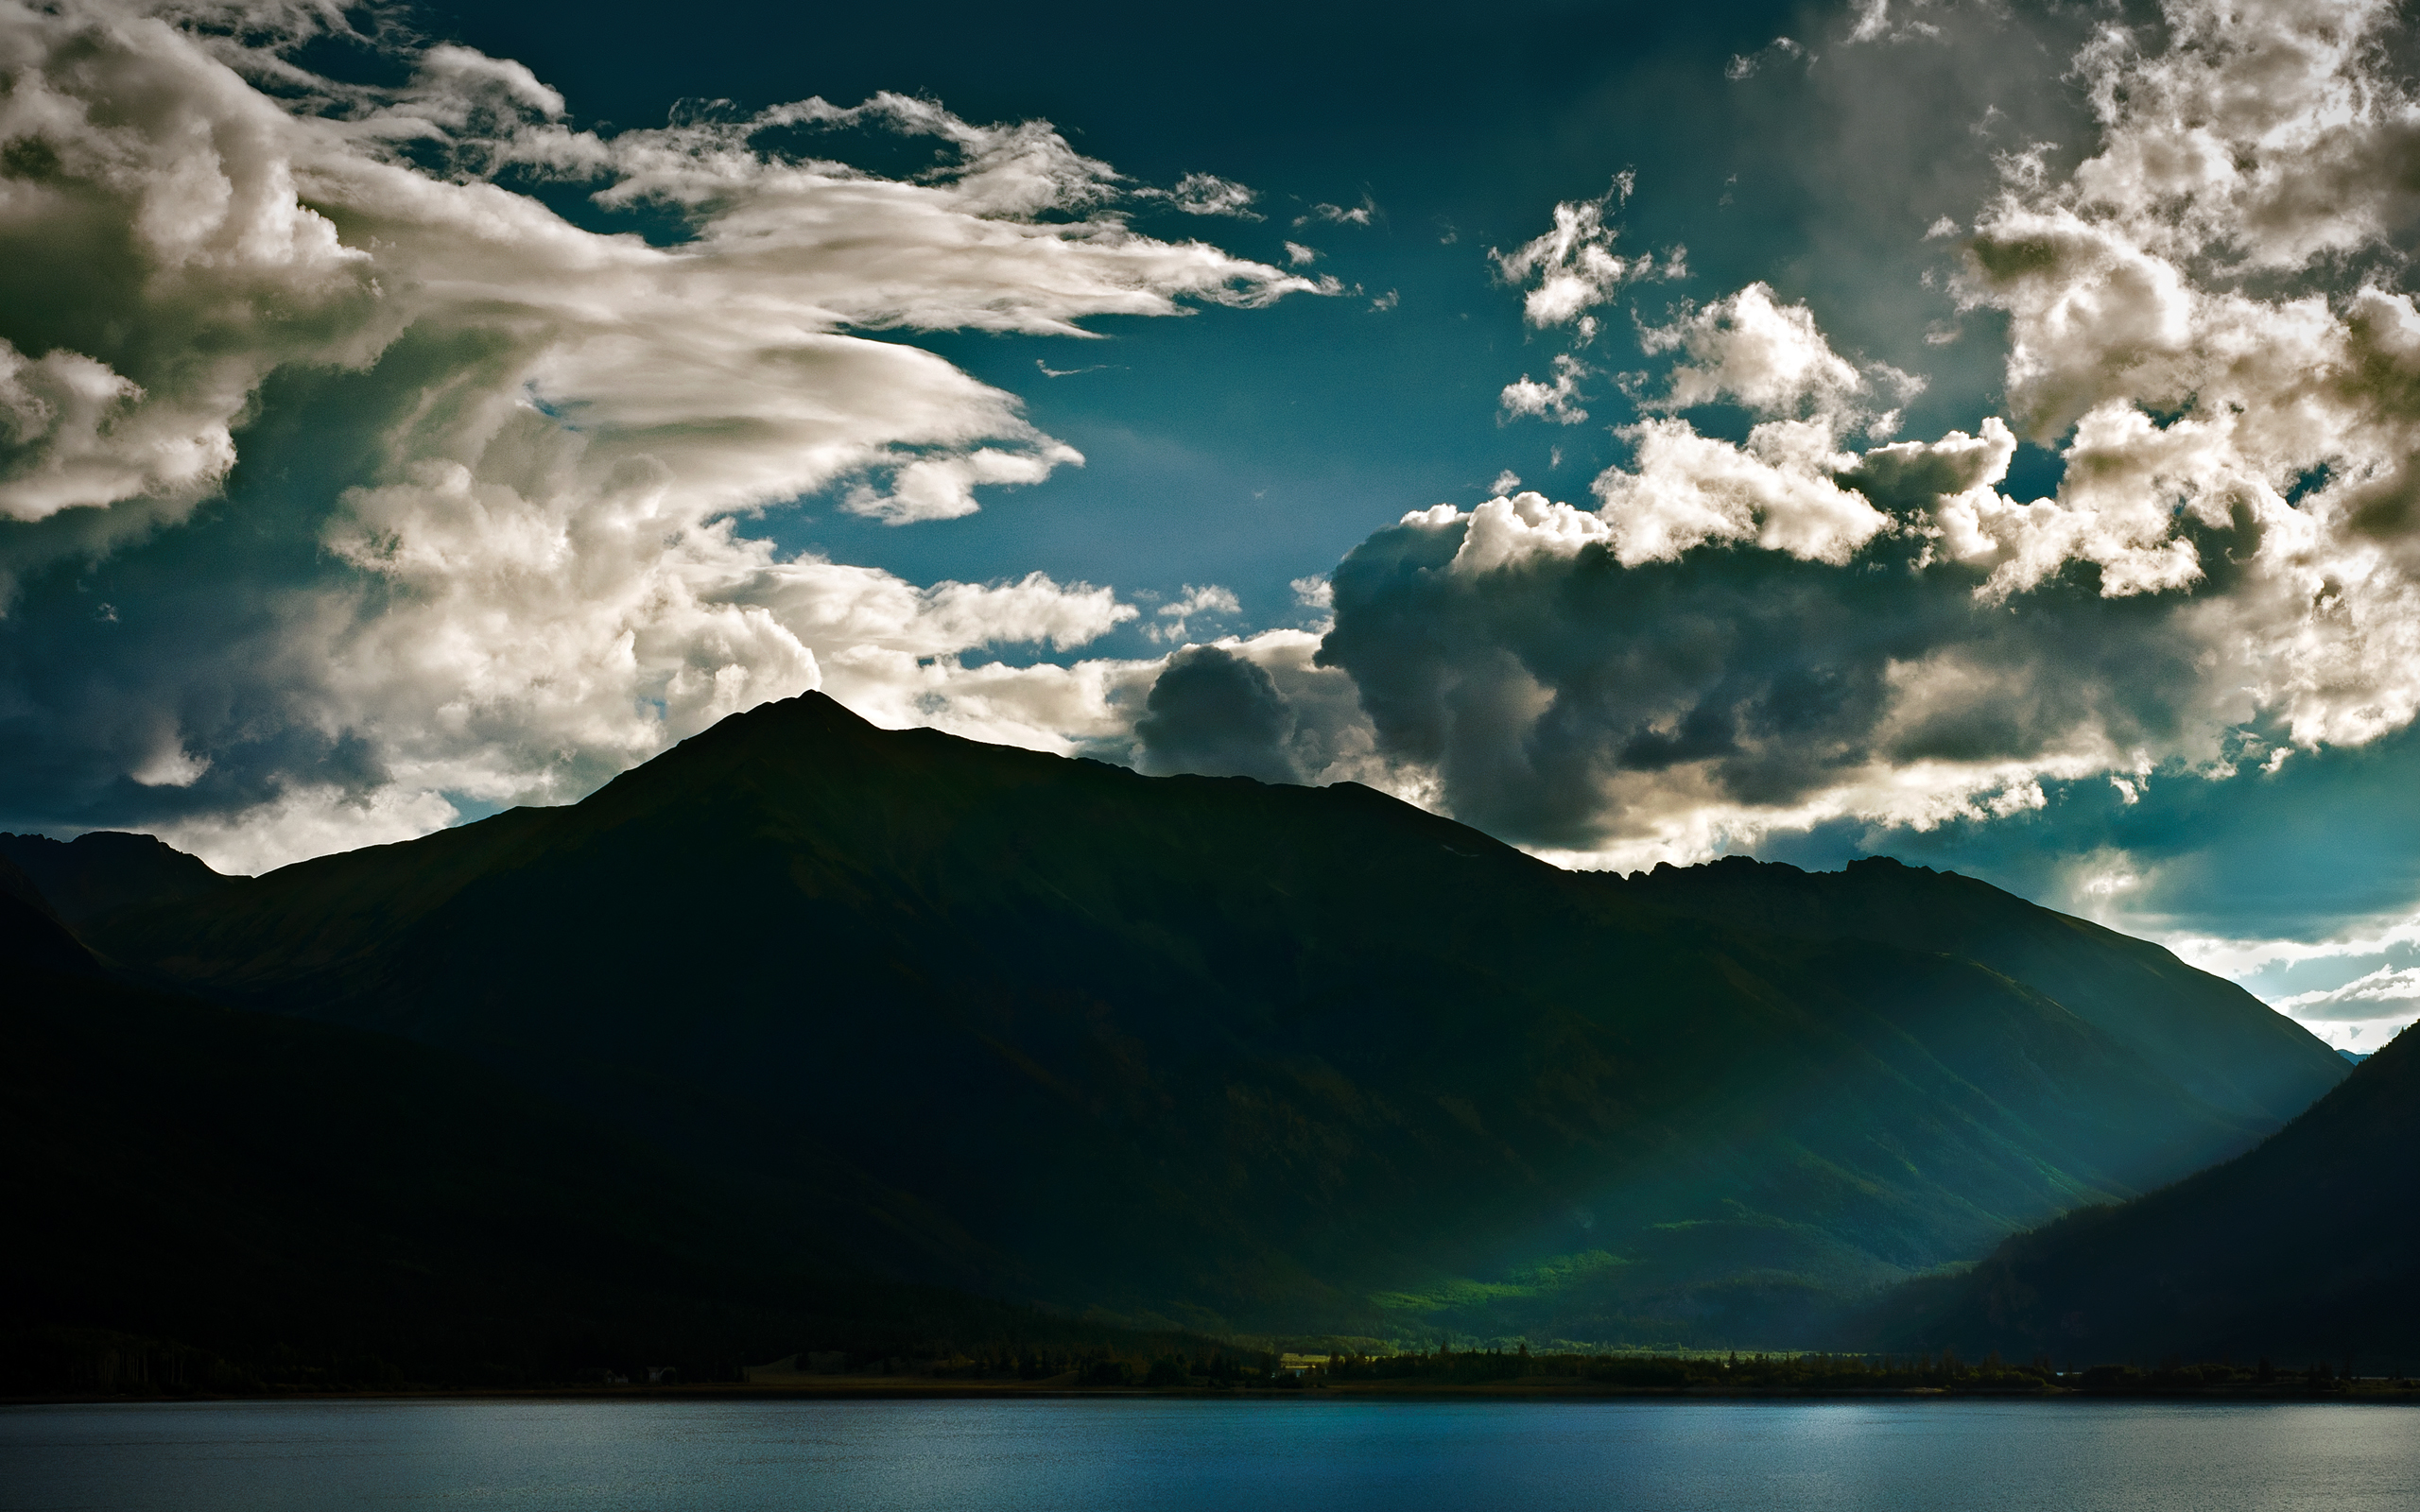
{"x":1996,"y":437}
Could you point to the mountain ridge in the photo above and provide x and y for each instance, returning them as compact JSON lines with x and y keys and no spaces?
{"x":2301,"y":1250}
{"x":1213,"y":1052}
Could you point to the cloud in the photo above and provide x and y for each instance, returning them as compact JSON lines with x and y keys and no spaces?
{"x":1263,"y":707}
{"x":1361,"y":214}
{"x":1573,"y":269}
{"x":1667,"y":706}
{"x":1778,"y":490}
{"x":1213,"y":712}
{"x":489,"y":538}
{"x":1766,"y":357}
{"x":1747,"y":65}
{"x":1800,"y":627}
{"x":2378,"y":994}
{"x":1557,"y":401}
{"x":1194,"y":602}
{"x":2238,"y":956}
{"x":1874,"y":23}
{"x":1206,"y":193}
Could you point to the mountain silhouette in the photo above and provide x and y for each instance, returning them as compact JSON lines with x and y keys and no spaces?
{"x":32,"y":936}
{"x":2302,"y":1251}
{"x":2216,"y":1039}
{"x":1212,"y":1053}
{"x":108,"y":870}
{"x":204,"y":1197}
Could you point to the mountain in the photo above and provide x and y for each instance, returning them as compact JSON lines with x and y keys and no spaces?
{"x":205,"y":1197}
{"x":2222,"y":1043}
{"x":32,"y":937}
{"x":253,"y":1197}
{"x":107,"y":870}
{"x":1232,"y":1055}
{"x":2302,"y":1251}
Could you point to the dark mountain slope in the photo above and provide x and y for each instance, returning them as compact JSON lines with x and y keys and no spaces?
{"x":2306,"y":1250}
{"x":2226,"y":1045}
{"x":96,"y":873}
{"x":1274,"y":1056}
{"x":210,"y":1197}
{"x":31,"y":936}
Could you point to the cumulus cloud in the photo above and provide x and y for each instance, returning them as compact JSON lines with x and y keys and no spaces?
{"x":538,"y":445}
{"x":1768,"y":631}
{"x":1769,"y":358}
{"x":1662,"y":708}
{"x":1216,"y":714}
{"x":1262,"y":707}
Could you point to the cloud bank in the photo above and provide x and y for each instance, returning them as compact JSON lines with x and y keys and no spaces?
{"x":1767,"y":621}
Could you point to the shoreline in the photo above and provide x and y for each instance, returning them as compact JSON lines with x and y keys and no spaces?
{"x":916,"y":1388}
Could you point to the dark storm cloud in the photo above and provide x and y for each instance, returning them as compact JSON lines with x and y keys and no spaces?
{"x":1546,"y":690}
{"x":1216,"y":714}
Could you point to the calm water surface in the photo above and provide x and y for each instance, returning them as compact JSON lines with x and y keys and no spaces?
{"x":1323,"y":1456}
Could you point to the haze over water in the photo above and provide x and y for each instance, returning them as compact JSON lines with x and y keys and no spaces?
{"x":1180,"y":1454}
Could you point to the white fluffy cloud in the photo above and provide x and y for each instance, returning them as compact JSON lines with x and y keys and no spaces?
{"x":1767,"y":357}
{"x":2204,"y":318}
{"x":1557,"y":401}
{"x":2205,"y":310}
{"x":564,"y":431}
{"x":1573,"y":269}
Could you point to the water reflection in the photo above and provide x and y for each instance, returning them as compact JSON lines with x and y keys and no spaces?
{"x":1334,"y":1456}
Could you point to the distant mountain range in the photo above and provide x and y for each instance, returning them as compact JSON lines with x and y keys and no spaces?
{"x":1202,"y":1052}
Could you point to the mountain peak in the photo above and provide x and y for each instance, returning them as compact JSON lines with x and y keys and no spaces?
{"x":104,"y":871}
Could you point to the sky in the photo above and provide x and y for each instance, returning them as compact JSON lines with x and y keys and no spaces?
{"x":1980,"y":434}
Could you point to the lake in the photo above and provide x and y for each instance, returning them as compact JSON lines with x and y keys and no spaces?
{"x":1324,"y":1456}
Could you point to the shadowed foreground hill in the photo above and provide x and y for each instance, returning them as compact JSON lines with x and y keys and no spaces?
{"x":1233,"y":1055}
{"x":206,"y":1198}
{"x":2305,"y":1250}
